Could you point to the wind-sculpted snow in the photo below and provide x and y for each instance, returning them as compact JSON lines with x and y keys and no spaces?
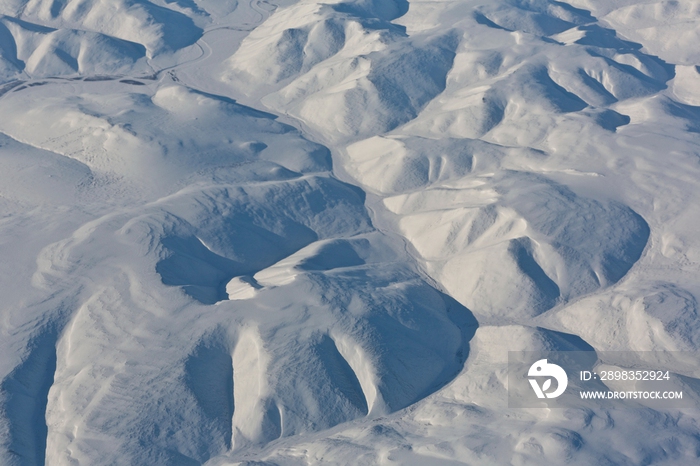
{"x":576,"y":435}
{"x":347,"y":66}
{"x":484,"y":378}
{"x":156,"y":139}
{"x":338,"y":326}
{"x":27,"y":388}
{"x":40,"y":51}
{"x":157,"y":28}
{"x":656,"y":315}
{"x":494,"y":90}
{"x":346,"y":77}
{"x":482,"y":234}
{"x":319,"y":345}
{"x":309,"y":233}
{"x":296,"y":39}
{"x":538,"y":17}
{"x":239,"y":231}
{"x":666,"y":28}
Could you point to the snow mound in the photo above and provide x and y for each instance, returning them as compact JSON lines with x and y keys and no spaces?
{"x":156,"y":27}
{"x":33,"y":177}
{"x":538,"y":17}
{"x":656,"y":317}
{"x":381,"y":374}
{"x":158,"y":139}
{"x":339,"y":325}
{"x":666,"y":28}
{"x":354,"y":332}
{"x":243,"y":232}
{"x":521,"y":255}
{"x":393,"y":165}
{"x":484,"y":379}
{"x":296,"y":38}
{"x":290,"y":42}
{"x":43,"y":52}
{"x":343,"y":67}
{"x":686,"y":85}
{"x":511,"y":245}
{"x":349,"y":74}
{"x":498,"y":90}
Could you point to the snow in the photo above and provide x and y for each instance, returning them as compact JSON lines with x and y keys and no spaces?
{"x":294,"y":232}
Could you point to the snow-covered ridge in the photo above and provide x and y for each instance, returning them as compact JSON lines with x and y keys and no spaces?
{"x":309,"y":232}
{"x":152,"y":24}
{"x":489,"y":67}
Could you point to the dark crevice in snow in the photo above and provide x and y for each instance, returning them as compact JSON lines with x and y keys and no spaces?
{"x":342,"y":374}
{"x":209,"y":375}
{"x":25,"y":396}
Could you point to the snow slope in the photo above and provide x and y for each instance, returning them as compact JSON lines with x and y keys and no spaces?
{"x":309,"y":233}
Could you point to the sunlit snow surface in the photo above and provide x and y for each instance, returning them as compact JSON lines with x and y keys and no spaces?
{"x":279,"y":233}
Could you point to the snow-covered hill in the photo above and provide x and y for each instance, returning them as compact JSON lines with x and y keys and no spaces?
{"x":295,"y":232}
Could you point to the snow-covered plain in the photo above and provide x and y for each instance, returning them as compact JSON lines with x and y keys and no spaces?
{"x":297,"y":233}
